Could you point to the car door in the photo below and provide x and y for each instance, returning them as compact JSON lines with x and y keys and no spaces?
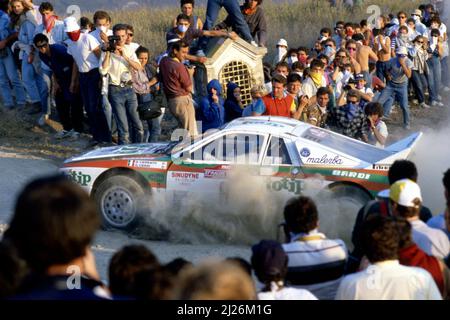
{"x":205,"y":171}
{"x":281,"y":167}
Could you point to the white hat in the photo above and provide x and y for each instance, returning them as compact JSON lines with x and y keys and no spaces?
{"x":401,"y":50}
{"x":417,"y":12}
{"x":282,"y":42}
{"x":404,"y":192}
{"x":71,"y":24}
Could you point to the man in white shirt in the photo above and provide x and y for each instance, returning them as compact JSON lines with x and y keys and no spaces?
{"x":385,"y":278}
{"x":315,"y":263}
{"x":85,"y":50}
{"x":118,"y":62}
{"x":102,"y":23}
{"x":406,"y":200}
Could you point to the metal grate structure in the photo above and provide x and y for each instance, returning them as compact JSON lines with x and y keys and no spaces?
{"x":239,"y":73}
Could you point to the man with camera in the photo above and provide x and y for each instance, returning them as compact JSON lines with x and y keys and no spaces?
{"x":118,"y":60}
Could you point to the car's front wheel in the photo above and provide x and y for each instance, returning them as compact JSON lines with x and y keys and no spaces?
{"x":119,"y":200}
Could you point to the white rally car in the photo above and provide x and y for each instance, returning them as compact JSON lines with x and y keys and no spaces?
{"x":281,"y":152}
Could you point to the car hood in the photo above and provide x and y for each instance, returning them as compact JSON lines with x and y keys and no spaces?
{"x":133,"y":150}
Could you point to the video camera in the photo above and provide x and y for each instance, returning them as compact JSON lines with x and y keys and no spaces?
{"x":351,"y":81}
{"x":112,"y":43}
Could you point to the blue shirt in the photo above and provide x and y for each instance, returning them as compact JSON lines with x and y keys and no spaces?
{"x":256,"y":106}
{"x":60,"y":62}
{"x":5,"y":31}
{"x":396,"y":71}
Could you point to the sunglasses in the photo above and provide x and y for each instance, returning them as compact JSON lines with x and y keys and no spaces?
{"x":402,"y":17}
{"x":421,"y":42}
{"x":41,"y":46}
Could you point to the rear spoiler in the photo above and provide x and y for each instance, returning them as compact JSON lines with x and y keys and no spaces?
{"x":402,"y":149}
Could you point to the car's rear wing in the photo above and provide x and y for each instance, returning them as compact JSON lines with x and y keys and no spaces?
{"x":402,"y":149}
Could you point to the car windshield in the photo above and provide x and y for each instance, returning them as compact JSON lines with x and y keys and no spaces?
{"x":184,"y":143}
{"x":354,"y":148}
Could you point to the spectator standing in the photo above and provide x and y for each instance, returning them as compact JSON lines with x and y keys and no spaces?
{"x":86,"y":51}
{"x":349,"y":117}
{"x":420,"y":70}
{"x":377,"y":129}
{"x":68,"y":104}
{"x":8,"y":70}
{"x":257,"y":107}
{"x":119,"y":64}
{"x":398,"y":71}
{"x":32,"y":77}
{"x":177,"y":87}
{"x":317,"y":114}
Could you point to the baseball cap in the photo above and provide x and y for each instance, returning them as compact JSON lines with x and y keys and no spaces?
{"x":359,"y":76}
{"x":404,"y":192}
{"x":71,"y":24}
{"x":269,"y":258}
{"x":401,"y":50}
{"x":417,"y":12}
{"x":282,"y":42}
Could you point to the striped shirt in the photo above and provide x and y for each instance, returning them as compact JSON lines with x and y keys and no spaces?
{"x":316,"y":263}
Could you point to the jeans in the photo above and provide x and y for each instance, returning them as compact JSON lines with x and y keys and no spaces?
{"x":9,"y":74}
{"x":234,"y":11}
{"x":368,"y":78}
{"x":124,"y":107}
{"x":399,"y":92}
{"x":34,"y":82}
{"x":154,"y":128}
{"x":434,"y":63}
{"x":419,"y":82}
{"x":381,"y":69}
{"x":444,"y":72}
{"x":47,"y":77}
{"x":106,"y":105}
{"x":90,"y":92}
{"x":70,"y":109}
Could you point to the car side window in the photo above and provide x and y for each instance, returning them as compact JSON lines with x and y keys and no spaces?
{"x":232,"y":148}
{"x":277,"y":153}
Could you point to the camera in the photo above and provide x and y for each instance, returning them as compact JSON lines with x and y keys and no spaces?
{"x":112,"y":43}
{"x":348,"y":87}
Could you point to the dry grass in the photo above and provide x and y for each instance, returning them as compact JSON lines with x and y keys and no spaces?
{"x":298,"y":22}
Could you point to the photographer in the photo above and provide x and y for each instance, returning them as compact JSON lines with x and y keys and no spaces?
{"x":118,"y":60}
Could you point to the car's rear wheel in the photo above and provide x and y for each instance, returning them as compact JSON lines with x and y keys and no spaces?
{"x":120,"y":202}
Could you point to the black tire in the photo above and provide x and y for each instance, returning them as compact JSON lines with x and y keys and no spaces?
{"x":120,"y":202}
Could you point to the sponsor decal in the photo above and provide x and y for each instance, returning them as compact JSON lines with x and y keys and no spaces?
{"x":325,"y":160}
{"x":162,"y":165}
{"x":294,"y":186}
{"x":305,"y":152}
{"x":184,"y":178}
{"x":295,"y":171}
{"x":384,"y":167}
{"x":79,"y":177}
{"x":341,"y":173}
{"x":215,"y":174}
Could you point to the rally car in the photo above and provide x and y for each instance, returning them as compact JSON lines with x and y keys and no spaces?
{"x":283,"y":153}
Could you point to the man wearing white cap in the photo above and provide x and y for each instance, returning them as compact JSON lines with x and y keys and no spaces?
{"x":85,"y":50}
{"x":398,"y":72}
{"x":420,"y":27}
{"x":282,"y":49}
{"x":406,"y":199}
